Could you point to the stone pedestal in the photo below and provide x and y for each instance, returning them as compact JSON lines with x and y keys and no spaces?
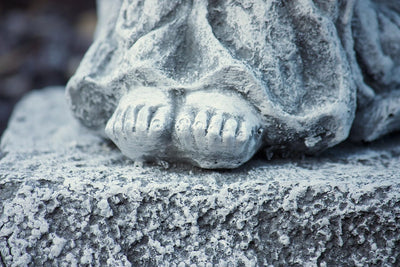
{"x":69,"y":198}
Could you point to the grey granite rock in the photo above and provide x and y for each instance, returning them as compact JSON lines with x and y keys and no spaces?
{"x":69,"y":198}
{"x":213,"y":82}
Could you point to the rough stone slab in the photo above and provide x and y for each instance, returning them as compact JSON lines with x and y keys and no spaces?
{"x":69,"y":198}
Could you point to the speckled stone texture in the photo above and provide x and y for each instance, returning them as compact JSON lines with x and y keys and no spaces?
{"x":69,"y":198}
{"x":213,"y":82}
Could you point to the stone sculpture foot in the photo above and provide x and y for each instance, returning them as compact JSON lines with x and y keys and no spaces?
{"x":141,"y":124}
{"x":215,"y":130}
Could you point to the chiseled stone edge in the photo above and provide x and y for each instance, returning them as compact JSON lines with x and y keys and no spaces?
{"x":69,"y":198}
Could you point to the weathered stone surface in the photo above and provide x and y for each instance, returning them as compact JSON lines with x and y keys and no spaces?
{"x":213,"y":82}
{"x":70,"y":198}
{"x":377,"y":44}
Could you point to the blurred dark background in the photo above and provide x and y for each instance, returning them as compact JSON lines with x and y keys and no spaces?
{"x":41,"y":44}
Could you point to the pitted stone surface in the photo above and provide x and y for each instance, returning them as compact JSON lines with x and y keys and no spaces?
{"x":69,"y":198}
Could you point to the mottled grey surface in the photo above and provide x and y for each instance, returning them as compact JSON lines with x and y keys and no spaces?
{"x":213,"y":82}
{"x":70,"y":198}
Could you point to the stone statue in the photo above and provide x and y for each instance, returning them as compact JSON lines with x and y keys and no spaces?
{"x":213,"y":82}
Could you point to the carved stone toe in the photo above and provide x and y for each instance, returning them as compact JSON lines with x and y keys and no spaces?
{"x":213,"y":130}
{"x":140,"y":126}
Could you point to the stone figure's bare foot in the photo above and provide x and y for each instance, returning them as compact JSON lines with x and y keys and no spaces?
{"x":141,"y":124}
{"x":215,"y":130}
